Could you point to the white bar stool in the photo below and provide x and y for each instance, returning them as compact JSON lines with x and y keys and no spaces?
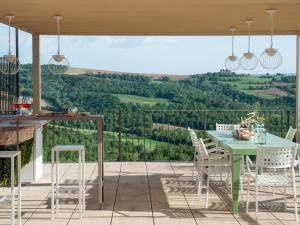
{"x":11,"y":155}
{"x":55,"y":187}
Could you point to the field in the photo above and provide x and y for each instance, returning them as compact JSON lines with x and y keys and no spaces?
{"x":262,"y":87}
{"x":78,"y":71}
{"x":261,"y":95}
{"x":135,"y":99}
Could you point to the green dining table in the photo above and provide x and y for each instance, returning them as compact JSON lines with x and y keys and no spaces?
{"x":238,"y":148}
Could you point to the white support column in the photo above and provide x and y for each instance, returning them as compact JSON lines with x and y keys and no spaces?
{"x":298,"y":89}
{"x":36,"y":73}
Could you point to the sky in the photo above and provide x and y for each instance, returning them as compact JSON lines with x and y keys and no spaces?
{"x":181,"y":55}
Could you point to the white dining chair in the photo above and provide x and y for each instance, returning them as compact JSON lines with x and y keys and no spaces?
{"x":272,"y":164}
{"x":211,"y":145}
{"x":193,"y":137}
{"x":209,"y":164}
{"x":291,"y":133}
{"x":290,"y":136}
{"x":227,"y":127}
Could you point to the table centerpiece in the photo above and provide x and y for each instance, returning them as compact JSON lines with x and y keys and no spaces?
{"x":252,"y":127}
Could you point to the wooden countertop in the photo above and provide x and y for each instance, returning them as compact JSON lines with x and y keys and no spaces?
{"x":28,"y":123}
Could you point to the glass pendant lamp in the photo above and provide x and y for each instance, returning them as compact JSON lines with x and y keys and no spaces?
{"x":9,"y":64}
{"x":271,"y":57}
{"x":232,"y":62}
{"x":58,"y":63}
{"x":249,"y":60}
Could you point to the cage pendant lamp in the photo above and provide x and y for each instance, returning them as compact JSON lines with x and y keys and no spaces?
{"x":9,"y":64}
{"x":232,"y":62}
{"x":271,"y":57}
{"x":58,"y":63}
{"x":249,"y":60}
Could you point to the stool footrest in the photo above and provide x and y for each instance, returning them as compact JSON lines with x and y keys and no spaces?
{"x":70,"y":188}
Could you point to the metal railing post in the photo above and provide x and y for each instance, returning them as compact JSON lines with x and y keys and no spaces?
{"x":288,"y":114}
{"x":281,"y":123}
{"x":204,"y":128}
{"x":120,"y":135}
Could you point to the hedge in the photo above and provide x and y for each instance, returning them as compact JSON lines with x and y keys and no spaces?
{"x":26,"y":152}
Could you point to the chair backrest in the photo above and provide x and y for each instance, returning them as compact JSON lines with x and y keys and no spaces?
{"x":193,"y":136}
{"x":200,"y":146}
{"x":275,"y":157}
{"x":227,"y":127}
{"x":291,"y":133}
{"x":198,"y":143}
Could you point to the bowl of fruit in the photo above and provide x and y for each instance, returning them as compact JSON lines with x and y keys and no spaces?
{"x":243,"y":134}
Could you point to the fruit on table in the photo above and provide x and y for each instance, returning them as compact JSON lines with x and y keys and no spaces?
{"x":246,"y":133}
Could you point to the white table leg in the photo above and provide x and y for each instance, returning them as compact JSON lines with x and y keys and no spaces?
{"x":57,"y":182}
{"x":12,"y":182}
{"x":19,"y":188}
{"x":52,"y":185}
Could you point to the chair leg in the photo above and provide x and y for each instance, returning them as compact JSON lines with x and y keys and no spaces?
{"x":197,"y":177}
{"x":193,"y":172}
{"x":295,"y":195}
{"x":194,"y":165}
{"x":227,"y":178}
{"x":284,"y":197}
{"x":248,"y":190}
{"x":207,"y":192}
{"x":242,"y":189}
{"x":256,"y":201}
{"x":12,"y":183}
{"x":298,"y":158}
{"x":199,"y":190}
{"x":57,"y":182}
{"x":52,"y":185}
{"x":274,"y":170}
{"x":19,"y":189}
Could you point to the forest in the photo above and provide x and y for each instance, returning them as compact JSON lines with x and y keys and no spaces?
{"x":146,"y":117}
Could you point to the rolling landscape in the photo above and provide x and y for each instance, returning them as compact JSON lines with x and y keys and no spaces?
{"x":146,"y":115}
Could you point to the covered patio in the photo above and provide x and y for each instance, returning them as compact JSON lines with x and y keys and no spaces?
{"x":146,"y":192}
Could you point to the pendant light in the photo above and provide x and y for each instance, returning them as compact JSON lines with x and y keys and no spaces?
{"x":58,"y":64}
{"x":271,"y":57}
{"x":9,"y":64}
{"x":249,"y":60}
{"x":232,"y":62}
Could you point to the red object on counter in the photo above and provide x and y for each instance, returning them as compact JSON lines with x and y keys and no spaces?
{"x":25,"y":105}
{"x":16,"y":105}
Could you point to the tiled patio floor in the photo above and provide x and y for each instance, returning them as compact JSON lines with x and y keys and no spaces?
{"x":139,"y":193}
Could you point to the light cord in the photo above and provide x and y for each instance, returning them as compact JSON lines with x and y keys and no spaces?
{"x":58,"y":37}
{"x":232,"y":42}
{"x":272,"y":30}
{"x":248,"y":36}
{"x":9,"y":48}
